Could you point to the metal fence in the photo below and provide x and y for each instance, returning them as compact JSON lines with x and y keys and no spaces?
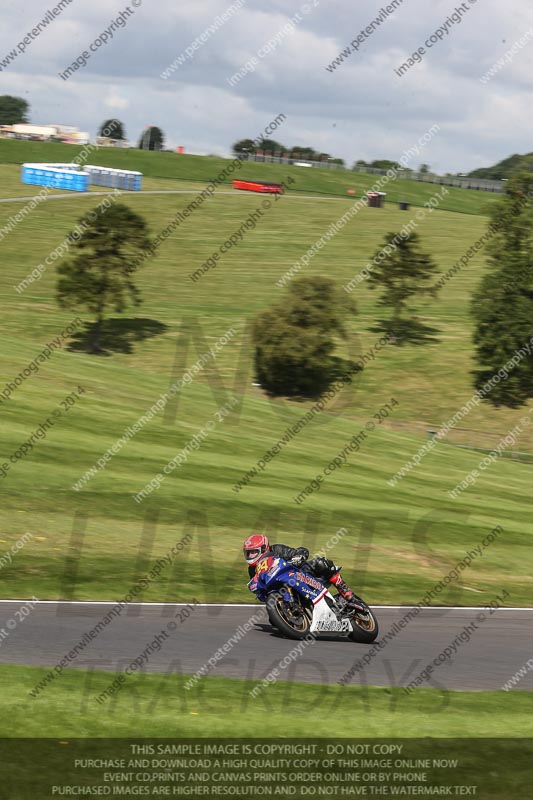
{"x":263,"y":159}
{"x":478,"y":184}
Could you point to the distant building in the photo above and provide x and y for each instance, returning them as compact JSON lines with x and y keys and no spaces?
{"x":105,"y":141}
{"x":45,"y":133}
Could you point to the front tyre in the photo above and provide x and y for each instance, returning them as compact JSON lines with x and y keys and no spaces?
{"x":291,"y":619}
{"x":364,"y":624}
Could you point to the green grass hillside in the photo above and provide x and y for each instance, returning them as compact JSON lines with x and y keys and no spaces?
{"x":170,"y":166}
{"x":400,"y":540}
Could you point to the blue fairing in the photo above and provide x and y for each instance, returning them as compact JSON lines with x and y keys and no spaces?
{"x":276,"y":573}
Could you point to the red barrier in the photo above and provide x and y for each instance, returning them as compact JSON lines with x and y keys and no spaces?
{"x":258,"y":186}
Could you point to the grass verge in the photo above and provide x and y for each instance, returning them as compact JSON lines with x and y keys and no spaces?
{"x":157,"y":705}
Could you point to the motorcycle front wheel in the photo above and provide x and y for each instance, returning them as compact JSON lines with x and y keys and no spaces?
{"x":291,"y":619}
{"x":365,"y":625}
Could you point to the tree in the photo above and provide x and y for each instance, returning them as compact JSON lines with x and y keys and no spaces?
{"x":152,"y":139}
{"x":379,"y":163}
{"x":502,"y":306}
{"x":424,"y":169}
{"x":295,"y":339}
{"x":269,"y":145}
{"x":244,"y":146}
{"x":384,"y":163}
{"x":306,"y":153}
{"x":98,"y":275}
{"x":113,"y":129}
{"x":13,"y":110}
{"x":510,"y":167}
{"x":402,"y":271}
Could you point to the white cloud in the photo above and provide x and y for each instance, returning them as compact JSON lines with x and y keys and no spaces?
{"x":361,"y":110}
{"x":114,"y":100}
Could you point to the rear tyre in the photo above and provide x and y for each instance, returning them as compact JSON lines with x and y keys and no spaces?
{"x":365,"y":625}
{"x":291,"y":619}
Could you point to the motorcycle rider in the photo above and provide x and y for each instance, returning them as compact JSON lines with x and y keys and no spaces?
{"x":257,"y":547}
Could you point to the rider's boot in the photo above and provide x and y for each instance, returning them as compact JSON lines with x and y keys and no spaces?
{"x":344,"y":590}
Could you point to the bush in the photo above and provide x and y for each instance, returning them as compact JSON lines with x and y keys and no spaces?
{"x":295,"y":339}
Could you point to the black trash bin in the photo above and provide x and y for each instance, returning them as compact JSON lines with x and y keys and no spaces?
{"x":403,"y":206}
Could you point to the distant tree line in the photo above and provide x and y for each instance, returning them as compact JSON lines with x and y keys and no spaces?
{"x":273,"y":148}
{"x":385,"y":164}
{"x":508,"y":168}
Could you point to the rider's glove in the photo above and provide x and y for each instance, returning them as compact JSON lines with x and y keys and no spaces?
{"x":297,"y":561}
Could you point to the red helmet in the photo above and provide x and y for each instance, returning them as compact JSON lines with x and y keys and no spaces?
{"x":255,"y":548}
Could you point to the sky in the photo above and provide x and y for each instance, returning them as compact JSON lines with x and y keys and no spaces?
{"x":362,"y":109}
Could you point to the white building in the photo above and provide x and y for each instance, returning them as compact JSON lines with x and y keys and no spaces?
{"x":62,"y":133}
{"x":106,"y":141}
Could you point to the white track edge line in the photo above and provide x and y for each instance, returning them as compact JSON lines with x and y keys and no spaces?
{"x":247,"y":605}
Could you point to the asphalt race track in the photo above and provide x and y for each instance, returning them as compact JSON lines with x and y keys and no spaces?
{"x":497,"y":649}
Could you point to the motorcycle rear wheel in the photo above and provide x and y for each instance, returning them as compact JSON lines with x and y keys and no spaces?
{"x":291,"y":625}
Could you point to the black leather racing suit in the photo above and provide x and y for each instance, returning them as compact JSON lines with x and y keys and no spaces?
{"x":294,"y":555}
{"x":320,"y":567}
